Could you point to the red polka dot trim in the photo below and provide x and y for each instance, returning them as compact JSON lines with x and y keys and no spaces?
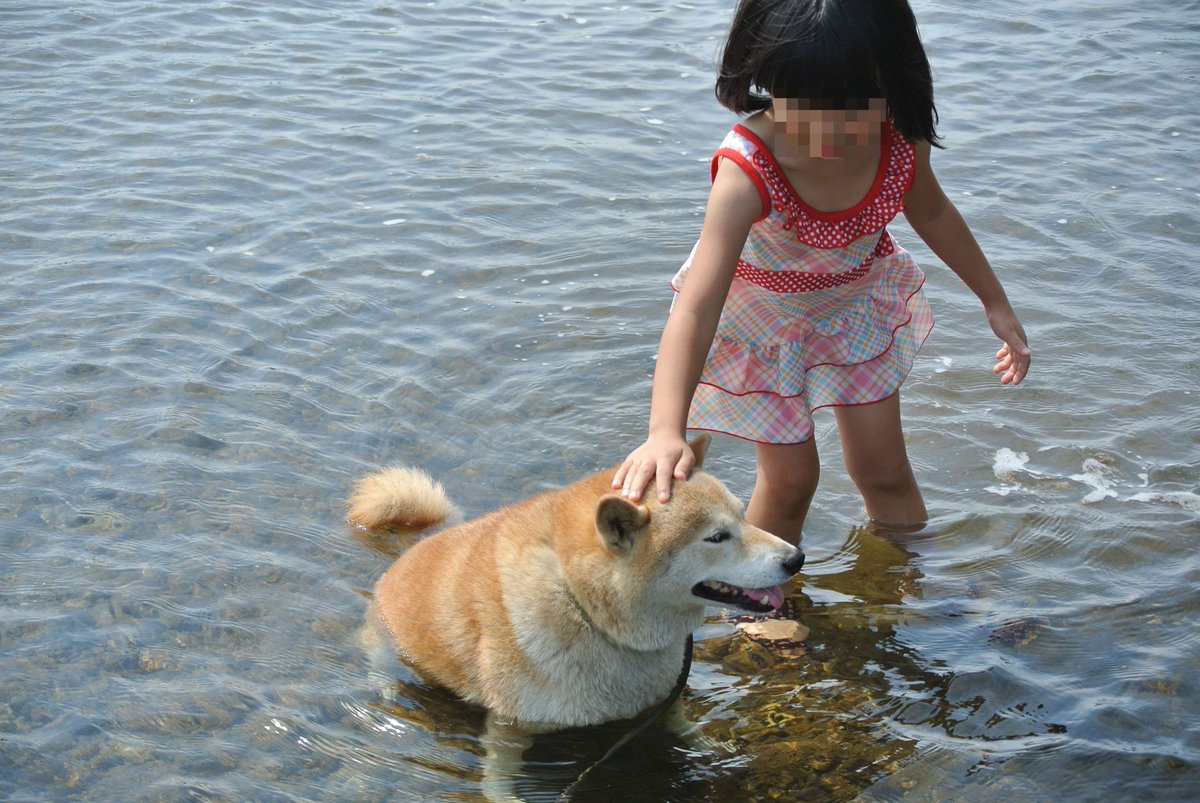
{"x":838,"y":229}
{"x":798,"y":281}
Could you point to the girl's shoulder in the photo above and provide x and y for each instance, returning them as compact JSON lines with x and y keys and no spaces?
{"x":741,"y":146}
{"x":748,"y":139}
{"x":759,"y":125}
{"x":751,"y":133}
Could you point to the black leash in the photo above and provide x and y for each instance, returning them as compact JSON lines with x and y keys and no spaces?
{"x":650,"y":719}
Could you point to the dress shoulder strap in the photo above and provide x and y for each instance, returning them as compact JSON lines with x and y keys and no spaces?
{"x":739,"y":146}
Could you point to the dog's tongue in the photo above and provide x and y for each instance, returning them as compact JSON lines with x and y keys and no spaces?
{"x":772,"y":596}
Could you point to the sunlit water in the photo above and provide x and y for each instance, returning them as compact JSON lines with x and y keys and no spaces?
{"x":252,"y":250}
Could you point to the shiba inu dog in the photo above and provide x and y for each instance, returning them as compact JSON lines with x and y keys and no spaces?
{"x":572,"y":607}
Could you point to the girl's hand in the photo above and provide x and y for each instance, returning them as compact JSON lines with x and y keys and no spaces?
{"x":1012,"y":360}
{"x":662,"y":459}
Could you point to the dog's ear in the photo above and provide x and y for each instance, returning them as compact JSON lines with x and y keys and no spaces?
{"x":699,"y":446}
{"x":618,"y":521}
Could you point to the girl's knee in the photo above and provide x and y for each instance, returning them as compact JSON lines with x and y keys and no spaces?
{"x":788,"y":489}
{"x":891,"y":493}
{"x":781,"y":478}
{"x":780,"y":502}
{"x":784,"y":486}
{"x":880,"y":474}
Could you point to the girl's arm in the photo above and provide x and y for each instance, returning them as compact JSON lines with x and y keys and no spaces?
{"x":734,"y":204}
{"x":936,"y":220}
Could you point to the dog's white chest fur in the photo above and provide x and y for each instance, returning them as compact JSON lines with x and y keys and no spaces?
{"x":587,"y":679}
{"x":580,"y":674}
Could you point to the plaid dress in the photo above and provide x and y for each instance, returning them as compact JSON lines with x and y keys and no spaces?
{"x":825,"y":308}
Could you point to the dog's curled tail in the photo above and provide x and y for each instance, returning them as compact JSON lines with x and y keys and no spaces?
{"x":399,"y":496}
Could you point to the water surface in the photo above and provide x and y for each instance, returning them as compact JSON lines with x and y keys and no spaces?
{"x":252,"y":250}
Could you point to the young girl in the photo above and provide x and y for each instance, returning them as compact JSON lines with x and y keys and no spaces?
{"x":796,"y":296}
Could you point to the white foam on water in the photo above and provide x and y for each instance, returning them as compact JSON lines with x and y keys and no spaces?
{"x":1010,"y":466}
{"x":1185,"y":499}
{"x":1096,"y":475}
{"x":1008,"y":463}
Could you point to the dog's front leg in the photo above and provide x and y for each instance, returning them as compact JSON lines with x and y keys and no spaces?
{"x":502,"y":765}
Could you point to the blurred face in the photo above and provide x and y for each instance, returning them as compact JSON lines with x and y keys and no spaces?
{"x":824,"y":132}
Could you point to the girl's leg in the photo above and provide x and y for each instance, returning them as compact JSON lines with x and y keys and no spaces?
{"x":877,"y":461}
{"x":783,"y":489}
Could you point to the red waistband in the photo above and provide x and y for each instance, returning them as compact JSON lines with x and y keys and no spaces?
{"x":799,"y":281}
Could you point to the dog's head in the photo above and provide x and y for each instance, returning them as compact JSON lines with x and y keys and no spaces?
{"x":697,"y":547}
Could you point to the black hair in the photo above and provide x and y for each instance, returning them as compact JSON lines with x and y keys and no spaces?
{"x":836,"y":52}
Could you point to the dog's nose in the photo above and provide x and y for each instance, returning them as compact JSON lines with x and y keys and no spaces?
{"x":794,"y":563}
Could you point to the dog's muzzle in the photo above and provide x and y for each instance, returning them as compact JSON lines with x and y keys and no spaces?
{"x":794,"y":563}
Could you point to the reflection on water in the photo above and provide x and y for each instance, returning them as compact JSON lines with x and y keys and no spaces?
{"x":254,"y":250}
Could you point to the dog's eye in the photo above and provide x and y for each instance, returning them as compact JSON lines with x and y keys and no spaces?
{"x":719,"y":536}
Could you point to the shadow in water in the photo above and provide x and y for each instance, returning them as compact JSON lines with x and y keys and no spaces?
{"x":863,"y":701}
{"x":653,"y":768}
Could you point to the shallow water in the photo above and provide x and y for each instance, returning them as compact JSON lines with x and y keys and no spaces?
{"x":254,"y":250}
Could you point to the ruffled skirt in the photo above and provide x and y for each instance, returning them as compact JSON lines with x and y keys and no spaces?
{"x":777,"y":357}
